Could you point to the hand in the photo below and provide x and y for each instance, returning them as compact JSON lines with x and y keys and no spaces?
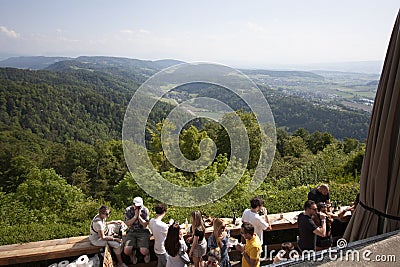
{"x":119,"y":240}
{"x":189,"y":239}
{"x":263,"y":210}
{"x":137,"y":210}
{"x":190,"y":253}
{"x":322,"y":216}
{"x":118,"y":222}
{"x":239,"y":247}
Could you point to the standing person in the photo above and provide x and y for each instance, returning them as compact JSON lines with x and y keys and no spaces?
{"x":174,"y":245}
{"x":138,"y":236}
{"x":101,"y":233}
{"x":260,"y":223}
{"x":320,"y":194}
{"x":307,"y":227}
{"x":219,"y":239}
{"x":159,"y":230}
{"x":198,"y":240}
{"x":252,"y":250}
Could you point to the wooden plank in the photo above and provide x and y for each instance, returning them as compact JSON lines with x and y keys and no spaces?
{"x":61,"y":248}
{"x":45,"y":243}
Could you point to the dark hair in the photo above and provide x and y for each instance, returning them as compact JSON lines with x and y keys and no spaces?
{"x":256,"y":201}
{"x":248,"y":228}
{"x":321,"y":205}
{"x":308,"y":203}
{"x":160,"y":208}
{"x":103,"y":209}
{"x":287,"y":247}
{"x":172,"y":244}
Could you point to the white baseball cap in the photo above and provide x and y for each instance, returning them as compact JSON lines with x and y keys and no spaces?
{"x":138,"y":201}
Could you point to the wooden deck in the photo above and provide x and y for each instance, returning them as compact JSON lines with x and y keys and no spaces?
{"x":77,"y":246}
{"x":46,"y":250}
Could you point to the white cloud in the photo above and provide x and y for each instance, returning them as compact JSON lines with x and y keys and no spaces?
{"x":255,"y":27}
{"x":134,"y":32}
{"x":144,"y":31}
{"x":9,"y":33}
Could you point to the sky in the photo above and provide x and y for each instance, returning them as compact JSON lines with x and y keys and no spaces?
{"x":235,"y":33}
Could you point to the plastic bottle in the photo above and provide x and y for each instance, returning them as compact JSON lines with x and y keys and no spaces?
{"x":186,"y":224}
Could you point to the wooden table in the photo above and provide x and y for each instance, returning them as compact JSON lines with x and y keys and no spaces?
{"x":289,"y":221}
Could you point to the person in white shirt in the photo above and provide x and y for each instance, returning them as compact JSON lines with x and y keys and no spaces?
{"x":101,"y":233}
{"x":260,"y":223}
{"x":160,"y":230}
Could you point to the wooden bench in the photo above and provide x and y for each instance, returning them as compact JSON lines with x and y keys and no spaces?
{"x":46,"y":250}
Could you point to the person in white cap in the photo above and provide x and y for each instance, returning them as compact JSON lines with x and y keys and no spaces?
{"x":138,"y":235}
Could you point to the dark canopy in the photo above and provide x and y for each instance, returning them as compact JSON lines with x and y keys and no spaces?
{"x":379,"y":211}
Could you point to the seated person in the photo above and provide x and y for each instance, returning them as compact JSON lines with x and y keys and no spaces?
{"x":287,"y":252}
{"x":320,"y":194}
{"x":101,"y":233}
{"x":340,"y":223}
{"x":346,"y":217}
{"x":326,"y":241}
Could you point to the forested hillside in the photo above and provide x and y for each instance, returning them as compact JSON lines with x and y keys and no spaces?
{"x":62,"y":157}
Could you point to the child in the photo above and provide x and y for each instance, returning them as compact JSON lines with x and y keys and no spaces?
{"x":214,"y":257}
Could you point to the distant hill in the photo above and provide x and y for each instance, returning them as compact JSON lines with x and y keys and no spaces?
{"x":32,"y":63}
{"x":87,"y":62}
{"x":85,"y":98}
{"x":372,"y":66}
{"x":276,"y":73}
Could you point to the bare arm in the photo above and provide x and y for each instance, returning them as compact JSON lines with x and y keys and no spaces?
{"x":264,"y":211}
{"x":143,"y":222}
{"x":321,"y":231}
{"x":108,"y":238}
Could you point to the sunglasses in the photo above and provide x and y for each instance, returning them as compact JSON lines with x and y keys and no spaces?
{"x":107,"y":213}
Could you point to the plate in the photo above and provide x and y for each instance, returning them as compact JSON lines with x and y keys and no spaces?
{"x":232,"y":242}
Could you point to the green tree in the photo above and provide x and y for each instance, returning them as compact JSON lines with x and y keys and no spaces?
{"x":294,"y":146}
{"x":317,"y":141}
{"x":350,"y":144}
{"x":47,"y":192}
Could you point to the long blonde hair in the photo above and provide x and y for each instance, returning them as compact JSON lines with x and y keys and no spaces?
{"x":219,"y":226}
{"x":197,"y":221}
